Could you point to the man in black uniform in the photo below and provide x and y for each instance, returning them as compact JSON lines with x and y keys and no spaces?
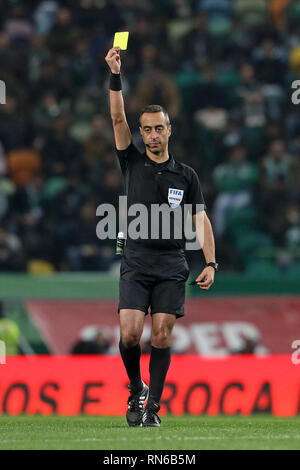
{"x":153,"y":270}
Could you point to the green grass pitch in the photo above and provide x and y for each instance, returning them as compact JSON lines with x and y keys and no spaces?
{"x":176,"y":432}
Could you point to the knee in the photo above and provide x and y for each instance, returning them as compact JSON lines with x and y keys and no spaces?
{"x":130,"y":338}
{"x":161,"y":338}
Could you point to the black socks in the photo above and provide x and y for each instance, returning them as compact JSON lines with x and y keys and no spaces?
{"x":159,"y":364}
{"x":158,"y":368}
{"x":131,"y":359}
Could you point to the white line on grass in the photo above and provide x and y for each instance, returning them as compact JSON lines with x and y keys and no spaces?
{"x":145,"y":438}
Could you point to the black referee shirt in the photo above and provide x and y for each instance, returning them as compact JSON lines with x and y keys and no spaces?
{"x":147,"y":182}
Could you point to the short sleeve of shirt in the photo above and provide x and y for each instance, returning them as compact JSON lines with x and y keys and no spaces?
{"x":125,"y":156}
{"x":195,"y":196}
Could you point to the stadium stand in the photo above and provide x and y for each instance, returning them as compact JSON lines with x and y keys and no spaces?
{"x":222,"y":68}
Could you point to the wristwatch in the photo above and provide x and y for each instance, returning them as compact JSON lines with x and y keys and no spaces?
{"x":214,"y":265}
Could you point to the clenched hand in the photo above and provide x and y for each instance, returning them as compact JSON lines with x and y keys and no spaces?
{"x":113,"y":59}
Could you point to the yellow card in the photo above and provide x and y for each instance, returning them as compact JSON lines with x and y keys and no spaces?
{"x":121,"y":40}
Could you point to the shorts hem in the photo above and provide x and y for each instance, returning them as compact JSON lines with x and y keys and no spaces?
{"x":142,"y":309}
{"x":178,"y":315}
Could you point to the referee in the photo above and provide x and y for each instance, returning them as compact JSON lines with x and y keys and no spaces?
{"x":153,"y":271}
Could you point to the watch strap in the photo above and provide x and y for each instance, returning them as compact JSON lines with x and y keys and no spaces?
{"x":214,"y":265}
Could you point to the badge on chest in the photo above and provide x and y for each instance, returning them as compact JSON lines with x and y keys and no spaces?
{"x":175,"y":197}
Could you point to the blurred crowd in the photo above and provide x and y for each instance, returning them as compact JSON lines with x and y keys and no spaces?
{"x":222,"y":68}
{"x":97,"y":339}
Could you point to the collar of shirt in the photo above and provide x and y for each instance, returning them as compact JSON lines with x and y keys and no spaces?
{"x":170,"y":164}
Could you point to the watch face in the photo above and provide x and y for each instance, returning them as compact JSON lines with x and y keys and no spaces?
{"x":214,"y":265}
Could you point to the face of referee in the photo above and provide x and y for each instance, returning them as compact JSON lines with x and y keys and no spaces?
{"x":155,"y":132}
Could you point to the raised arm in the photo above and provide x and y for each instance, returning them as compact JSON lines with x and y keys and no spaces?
{"x":117,"y":111}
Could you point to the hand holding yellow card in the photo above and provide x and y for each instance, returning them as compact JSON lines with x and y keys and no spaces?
{"x":121,"y":40}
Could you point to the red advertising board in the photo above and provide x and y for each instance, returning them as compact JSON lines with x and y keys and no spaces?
{"x":213,"y":326}
{"x":96,"y":385}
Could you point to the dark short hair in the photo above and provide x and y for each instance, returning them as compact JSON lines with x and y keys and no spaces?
{"x":155,"y":108}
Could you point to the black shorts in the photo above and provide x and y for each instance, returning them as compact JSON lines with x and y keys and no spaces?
{"x":153,"y":279}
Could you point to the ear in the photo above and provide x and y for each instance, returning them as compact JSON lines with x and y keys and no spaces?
{"x":170,"y":130}
{"x":140,"y":130}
